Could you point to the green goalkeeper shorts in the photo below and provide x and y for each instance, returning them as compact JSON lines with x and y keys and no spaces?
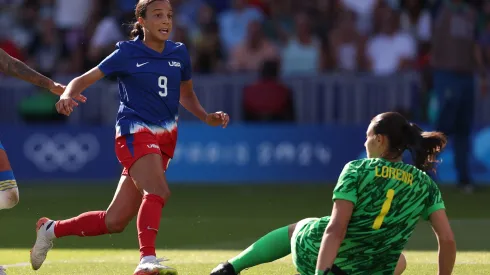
{"x":305,"y":246}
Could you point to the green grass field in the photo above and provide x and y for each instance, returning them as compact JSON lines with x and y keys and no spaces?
{"x":205,"y":225}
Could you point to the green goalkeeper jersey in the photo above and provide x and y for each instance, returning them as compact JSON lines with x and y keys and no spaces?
{"x":389,"y":199}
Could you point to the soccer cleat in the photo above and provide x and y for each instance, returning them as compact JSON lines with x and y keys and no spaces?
{"x":43,"y":243}
{"x":2,"y":271}
{"x":154,"y":268}
{"x":224,"y":269}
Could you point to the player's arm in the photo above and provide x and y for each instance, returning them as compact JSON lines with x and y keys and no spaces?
{"x":445,"y":238}
{"x":334,"y":235}
{"x":345,"y":198}
{"x":435,"y":212}
{"x":16,"y":68}
{"x":189,"y":100}
{"x":75,"y":88}
{"x":80,"y":83}
{"x":188,"y":97}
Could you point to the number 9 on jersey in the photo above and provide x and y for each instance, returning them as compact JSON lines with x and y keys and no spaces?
{"x":162,"y":83}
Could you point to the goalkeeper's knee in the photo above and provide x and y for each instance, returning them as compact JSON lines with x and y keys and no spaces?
{"x":9,"y":193}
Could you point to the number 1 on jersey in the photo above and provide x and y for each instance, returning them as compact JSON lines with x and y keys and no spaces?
{"x":384,"y":209}
{"x":162,"y":83}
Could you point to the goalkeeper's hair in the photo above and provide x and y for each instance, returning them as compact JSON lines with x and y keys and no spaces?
{"x":403,"y":135}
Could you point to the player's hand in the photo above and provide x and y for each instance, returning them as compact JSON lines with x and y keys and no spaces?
{"x":217,"y":119}
{"x":65,"y":105}
{"x":58,"y":89}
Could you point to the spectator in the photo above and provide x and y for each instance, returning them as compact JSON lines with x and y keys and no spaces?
{"x":262,"y":5}
{"x":107,"y":33}
{"x":325,"y":17}
{"x":268,"y":99}
{"x":47,"y":52}
{"x":73,"y":14}
{"x":280,"y":23}
{"x":233,"y":23}
{"x":301,"y":56}
{"x":364,"y":10}
{"x":249,"y":55}
{"x":9,"y":46}
{"x":347,"y":45}
{"x":416,"y":20}
{"x":392,"y":50}
{"x":187,"y":12}
{"x":23,"y":33}
{"x":208,"y":48}
{"x":455,"y":58}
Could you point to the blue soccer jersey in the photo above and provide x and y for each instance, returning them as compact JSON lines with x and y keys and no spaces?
{"x":149,"y":86}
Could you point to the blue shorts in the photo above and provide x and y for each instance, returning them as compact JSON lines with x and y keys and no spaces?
{"x":1,"y":146}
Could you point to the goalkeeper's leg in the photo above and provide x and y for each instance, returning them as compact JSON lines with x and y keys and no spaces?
{"x":271,"y":247}
{"x":401,"y":265}
{"x":9,"y":193}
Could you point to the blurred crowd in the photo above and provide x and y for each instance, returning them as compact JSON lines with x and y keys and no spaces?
{"x":309,"y":36}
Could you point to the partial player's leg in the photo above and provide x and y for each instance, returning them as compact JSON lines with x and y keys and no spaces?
{"x":149,"y":176}
{"x":147,"y":167}
{"x":273,"y":246}
{"x":124,"y":206}
{"x":121,"y":211}
{"x":401,"y":265}
{"x":9,"y":193}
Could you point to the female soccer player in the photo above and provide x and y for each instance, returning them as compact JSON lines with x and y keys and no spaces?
{"x":154,"y":74}
{"x":377,"y":203}
{"x":9,"y":192}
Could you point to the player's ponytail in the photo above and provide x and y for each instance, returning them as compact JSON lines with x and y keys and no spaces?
{"x":402,"y":135}
{"x":424,"y":146}
{"x":137,"y":31}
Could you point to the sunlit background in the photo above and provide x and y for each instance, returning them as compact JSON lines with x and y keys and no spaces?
{"x":301,"y":81}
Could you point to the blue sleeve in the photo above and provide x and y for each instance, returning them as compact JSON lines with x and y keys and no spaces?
{"x":187,"y":68}
{"x":112,"y":64}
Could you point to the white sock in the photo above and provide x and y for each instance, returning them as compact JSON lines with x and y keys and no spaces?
{"x":148,"y":259}
{"x":50,"y":230}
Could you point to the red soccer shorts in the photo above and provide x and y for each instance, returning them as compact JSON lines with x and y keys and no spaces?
{"x":130,"y":148}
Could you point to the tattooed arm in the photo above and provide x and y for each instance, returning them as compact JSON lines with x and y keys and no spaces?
{"x":16,"y":68}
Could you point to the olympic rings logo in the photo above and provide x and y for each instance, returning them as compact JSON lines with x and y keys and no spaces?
{"x":62,"y":151}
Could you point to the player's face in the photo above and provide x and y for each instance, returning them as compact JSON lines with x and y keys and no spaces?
{"x":373,"y":144}
{"x":158,"y":21}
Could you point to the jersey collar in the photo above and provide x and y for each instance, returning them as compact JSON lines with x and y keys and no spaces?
{"x":140,"y":43}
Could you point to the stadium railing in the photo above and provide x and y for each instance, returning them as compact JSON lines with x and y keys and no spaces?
{"x":334,"y":98}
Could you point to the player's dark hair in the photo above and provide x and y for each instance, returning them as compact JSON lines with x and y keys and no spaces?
{"x":403,"y":135}
{"x":140,"y":11}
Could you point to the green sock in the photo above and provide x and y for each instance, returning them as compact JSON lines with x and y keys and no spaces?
{"x":270,"y":247}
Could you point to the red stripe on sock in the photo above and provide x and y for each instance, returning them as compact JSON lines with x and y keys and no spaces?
{"x":148,"y":223}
